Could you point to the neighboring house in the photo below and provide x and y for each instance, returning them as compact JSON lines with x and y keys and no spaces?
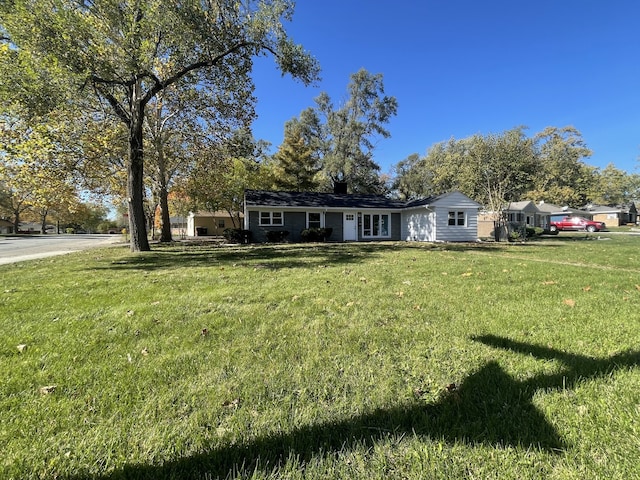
{"x":516,"y":215}
{"x":525,"y":214}
{"x":209,"y":223}
{"x":6,"y":227}
{"x":554,"y":212}
{"x":354,"y":217}
{"x":178,"y":226}
{"x":35,"y":228}
{"x":614,"y":215}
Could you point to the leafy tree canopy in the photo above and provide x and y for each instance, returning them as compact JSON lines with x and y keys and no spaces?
{"x":118,"y":55}
{"x":344,"y":136}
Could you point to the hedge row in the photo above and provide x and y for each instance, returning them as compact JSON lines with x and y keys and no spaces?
{"x":236,"y":235}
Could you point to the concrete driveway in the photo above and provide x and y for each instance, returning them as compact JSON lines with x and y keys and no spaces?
{"x":30,"y":247}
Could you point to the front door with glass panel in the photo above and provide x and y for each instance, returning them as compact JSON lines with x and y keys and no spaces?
{"x":350,"y":227}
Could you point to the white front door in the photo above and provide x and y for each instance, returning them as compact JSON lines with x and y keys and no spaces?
{"x":350,"y":227}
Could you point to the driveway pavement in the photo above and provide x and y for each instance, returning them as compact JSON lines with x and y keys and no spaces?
{"x":30,"y":247}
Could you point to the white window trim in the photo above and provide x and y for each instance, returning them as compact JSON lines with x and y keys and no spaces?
{"x":456,"y":212}
{"x":270,"y":224}
{"x":321,"y":219}
{"x":388,"y":235}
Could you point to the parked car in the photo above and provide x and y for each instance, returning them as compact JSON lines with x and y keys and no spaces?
{"x":576,"y":223}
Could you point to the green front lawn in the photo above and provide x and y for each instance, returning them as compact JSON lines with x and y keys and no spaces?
{"x":369,"y":361}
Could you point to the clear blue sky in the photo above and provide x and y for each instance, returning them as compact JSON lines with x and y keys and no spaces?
{"x":461,"y":67}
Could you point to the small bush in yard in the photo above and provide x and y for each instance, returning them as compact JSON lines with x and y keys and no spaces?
{"x":237,"y":235}
{"x":277,"y":236}
{"x":528,"y":232}
{"x":316,"y":234}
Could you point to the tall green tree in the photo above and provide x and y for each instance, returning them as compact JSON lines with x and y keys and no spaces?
{"x":562,"y":177}
{"x":492,"y":169}
{"x":296,"y":164}
{"x":224,"y":170}
{"x":35,"y":167}
{"x":123,"y":53}
{"x":506,"y":166}
{"x":346,"y":135}
{"x":613,"y":186}
{"x":178,"y":123}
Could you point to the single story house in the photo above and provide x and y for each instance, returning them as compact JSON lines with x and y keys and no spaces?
{"x":554,"y":212}
{"x":451,"y":217}
{"x":614,"y":215}
{"x":209,"y":223}
{"x":516,"y":215}
{"x":529,"y":214}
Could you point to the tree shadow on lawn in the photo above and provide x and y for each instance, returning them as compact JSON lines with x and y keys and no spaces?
{"x":273,"y":256}
{"x":490,"y":407}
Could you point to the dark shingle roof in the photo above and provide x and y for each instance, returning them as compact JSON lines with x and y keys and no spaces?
{"x":319,"y":200}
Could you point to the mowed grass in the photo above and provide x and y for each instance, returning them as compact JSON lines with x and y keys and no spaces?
{"x":368,"y":361}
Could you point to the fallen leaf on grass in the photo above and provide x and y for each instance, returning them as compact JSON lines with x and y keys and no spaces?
{"x":130,"y":313}
{"x":587,"y":288}
{"x":48,"y":389}
{"x":363,"y":279}
{"x":570,"y":302}
{"x":407,"y":282}
{"x":399,"y":294}
{"x":22,"y":347}
{"x":235,"y":403}
{"x":144,"y":352}
{"x":467,"y":274}
{"x":549,"y":282}
{"x":350,"y":304}
{"x":637,"y":287}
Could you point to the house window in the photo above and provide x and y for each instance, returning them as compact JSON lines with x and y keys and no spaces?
{"x":457,"y":219}
{"x":350,"y":217}
{"x":271,"y":218}
{"x":375,"y":225}
{"x":314,"y":220}
{"x":221,"y":223}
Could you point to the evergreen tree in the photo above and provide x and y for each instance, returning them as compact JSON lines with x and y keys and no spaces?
{"x":296,"y":167}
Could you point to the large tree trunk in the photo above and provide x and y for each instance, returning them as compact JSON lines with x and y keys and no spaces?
{"x":165,"y":235}
{"x":43,"y":218}
{"x":135,"y":178}
{"x":16,"y":220}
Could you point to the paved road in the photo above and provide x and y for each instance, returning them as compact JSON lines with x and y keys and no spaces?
{"x":29,"y":247}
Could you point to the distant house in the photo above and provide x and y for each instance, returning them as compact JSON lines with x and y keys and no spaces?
{"x":614,"y":215}
{"x":35,"y":228}
{"x":513,"y":217}
{"x":6,"y":227}
{"x":554,"y":212}
{"x":210,"y":223}
{"x":355,"y":217}
{"x":526,"y":214}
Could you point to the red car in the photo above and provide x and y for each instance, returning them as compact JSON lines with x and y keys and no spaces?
{"x":576,"y":223}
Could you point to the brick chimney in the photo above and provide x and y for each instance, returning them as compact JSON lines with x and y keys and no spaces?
{"x":339,"y":187}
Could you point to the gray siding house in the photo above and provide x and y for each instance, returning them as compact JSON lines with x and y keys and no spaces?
{"x":452,"y":217}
